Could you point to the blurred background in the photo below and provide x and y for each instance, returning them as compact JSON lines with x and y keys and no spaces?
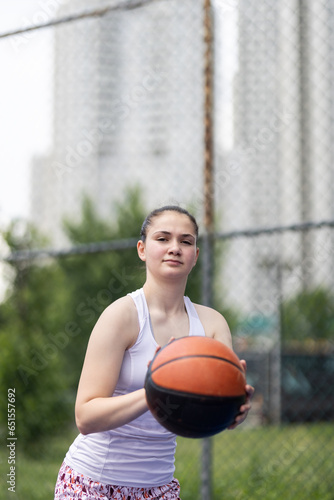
{"x":225,"y":107}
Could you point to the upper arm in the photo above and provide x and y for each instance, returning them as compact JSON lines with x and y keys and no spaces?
{"x":215,"y":325}
{"x":114,"y":332}
{"x":222,"y":331}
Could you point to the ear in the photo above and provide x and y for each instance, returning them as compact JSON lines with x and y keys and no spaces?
{"x":141,"y":250}
{"x":196,"y":256}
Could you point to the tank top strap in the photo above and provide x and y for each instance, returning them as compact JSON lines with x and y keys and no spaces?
{"x":195,"y":325}
{"x":140,"y":302}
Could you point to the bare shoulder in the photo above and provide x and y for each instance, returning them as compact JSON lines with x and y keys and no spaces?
{"x":118,"y":322}
{"x":208,"y":314}
{"x":214,"y":323}
{"x":122,"y":306}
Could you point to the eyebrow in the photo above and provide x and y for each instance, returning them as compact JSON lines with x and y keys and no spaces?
{"x":186,"y":235}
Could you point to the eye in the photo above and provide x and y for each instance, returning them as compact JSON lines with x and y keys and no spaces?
{"x":186,"y":242}
{"x":161,"y":238}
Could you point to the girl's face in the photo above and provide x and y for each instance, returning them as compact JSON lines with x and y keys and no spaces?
{"x":170,"y":245}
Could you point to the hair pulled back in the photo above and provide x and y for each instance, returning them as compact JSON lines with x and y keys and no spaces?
{"x":167,"y":208}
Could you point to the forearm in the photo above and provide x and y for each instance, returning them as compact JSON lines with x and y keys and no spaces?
{"x":102,"y":414}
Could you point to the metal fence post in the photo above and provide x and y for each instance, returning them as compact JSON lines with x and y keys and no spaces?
{"x":206,"y":465}
{"x":207,"y":255}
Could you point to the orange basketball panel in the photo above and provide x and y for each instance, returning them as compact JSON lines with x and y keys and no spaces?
{"x":190,"y":346}
{"x":201,"y":375}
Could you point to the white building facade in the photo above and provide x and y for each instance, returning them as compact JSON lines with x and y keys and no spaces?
{"x":279,"y":170}
{"x":128,"y":110}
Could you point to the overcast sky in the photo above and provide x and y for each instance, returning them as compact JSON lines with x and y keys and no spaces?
{"x":24,"y":103}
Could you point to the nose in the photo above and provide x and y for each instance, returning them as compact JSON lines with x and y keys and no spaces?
{"x":174,"y":248}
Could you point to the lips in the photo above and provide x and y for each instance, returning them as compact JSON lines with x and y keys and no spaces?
{"x":171,"y":261}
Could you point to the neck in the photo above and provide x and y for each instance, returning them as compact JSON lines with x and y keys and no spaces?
{"x":168,"y":297}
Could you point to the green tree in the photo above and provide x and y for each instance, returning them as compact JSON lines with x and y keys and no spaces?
{"x":30,"y":362}
{"x":309,"y":315}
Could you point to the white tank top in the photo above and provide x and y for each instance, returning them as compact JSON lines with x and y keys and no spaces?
{"x":140,"y":453}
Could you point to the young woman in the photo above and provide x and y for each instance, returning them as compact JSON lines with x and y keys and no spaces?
{"x":122,"y":452}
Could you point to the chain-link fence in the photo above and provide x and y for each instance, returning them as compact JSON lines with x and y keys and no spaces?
{"x":111,"y":108}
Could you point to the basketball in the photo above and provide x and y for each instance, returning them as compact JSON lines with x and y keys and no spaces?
{"x":195,"y":386}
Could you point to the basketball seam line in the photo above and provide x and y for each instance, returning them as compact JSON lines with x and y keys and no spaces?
{"x":194,"y":395}
{"x":196,"y":356}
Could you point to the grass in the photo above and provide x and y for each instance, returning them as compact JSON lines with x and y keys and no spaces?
{"x":271,"y":463}
{"x":36,"y":472}
{"x":292,"y":462}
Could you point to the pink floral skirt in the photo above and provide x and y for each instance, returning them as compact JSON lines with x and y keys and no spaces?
{"x":74,"y":486}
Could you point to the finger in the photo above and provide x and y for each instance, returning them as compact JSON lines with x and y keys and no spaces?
{"x":244,"y":364}
{"x":249,"y":391}
{"x":234,"y":425}
{"x":243,"y":412}
{"x":244,"y":408}
{"x":238,"y":420}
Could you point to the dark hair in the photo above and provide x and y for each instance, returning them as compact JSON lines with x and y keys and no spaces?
{"x":168,"y":208}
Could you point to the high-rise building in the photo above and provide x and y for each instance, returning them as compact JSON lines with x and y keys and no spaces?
{"x":280,"y":168}
{"x":128,"y":110}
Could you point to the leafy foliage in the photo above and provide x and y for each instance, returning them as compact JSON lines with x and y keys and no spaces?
{"x":30,"y":361}
{"x":309,"y":315}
